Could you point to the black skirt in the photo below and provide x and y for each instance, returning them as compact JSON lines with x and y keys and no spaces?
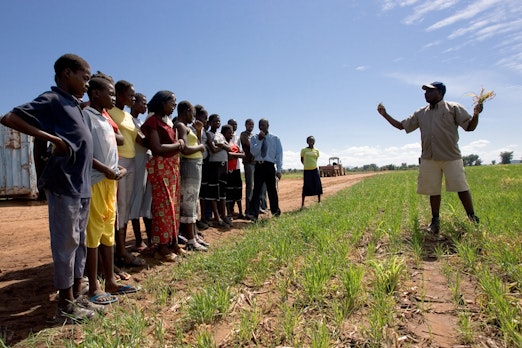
{"x":312,"y":183}
{"x":234,"y":186}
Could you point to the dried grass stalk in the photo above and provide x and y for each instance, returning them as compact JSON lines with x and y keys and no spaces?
{"x":482,"y":97}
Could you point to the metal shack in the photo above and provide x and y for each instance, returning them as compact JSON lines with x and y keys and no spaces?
{"x":17,"y":169}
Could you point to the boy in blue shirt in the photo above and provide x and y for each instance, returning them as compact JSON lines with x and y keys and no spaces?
{"x":55,"y":116}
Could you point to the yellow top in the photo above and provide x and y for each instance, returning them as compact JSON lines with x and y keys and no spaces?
{"x":310,"y":157}
{"x":192,"y":140}
{"x":128,"y":129}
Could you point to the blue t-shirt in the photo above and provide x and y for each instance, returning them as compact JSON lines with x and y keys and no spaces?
{"x":58,"y":112}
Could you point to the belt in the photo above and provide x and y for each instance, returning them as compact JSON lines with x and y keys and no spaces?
{"x":263,"y":162}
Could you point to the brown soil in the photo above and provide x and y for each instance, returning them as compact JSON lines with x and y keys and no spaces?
{"x":28,"y":295}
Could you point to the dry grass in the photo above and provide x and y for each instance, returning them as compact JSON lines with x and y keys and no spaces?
{"x":482,"y":96}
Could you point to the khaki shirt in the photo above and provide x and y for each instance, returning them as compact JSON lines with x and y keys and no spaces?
{"x":439,"y":129}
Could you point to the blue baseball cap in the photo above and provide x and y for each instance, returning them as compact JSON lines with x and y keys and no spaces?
{"x":435,"y":85}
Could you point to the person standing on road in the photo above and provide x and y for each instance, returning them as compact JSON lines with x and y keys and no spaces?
{"x":125,"y":96}
{"x":56,"y":117}
{"x":102,"y":212}
{"x":190,"y":172}
{"x":163,"y":174}
{"x":249,"y":165}
{"x":438,"y":123}
{"x":141,"y":199}
{"x":311,"y":179}
{"x":267,"y":151}
{"x":217,"y":172}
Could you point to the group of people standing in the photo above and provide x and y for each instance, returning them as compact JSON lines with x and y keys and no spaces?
{"x":106,"y":168}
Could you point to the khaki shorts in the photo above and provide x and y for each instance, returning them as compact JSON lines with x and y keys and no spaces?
{"x":430,"y":177}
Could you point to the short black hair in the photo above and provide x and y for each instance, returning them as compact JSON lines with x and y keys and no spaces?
{"x":183,"y":107}
{"x":200,"y":111}
{"x":140,"y":96}
{"x":70,"y":61}
{"x":264,"y":120}
{"x":212,"y":117}
{"x":99,"y":81}
{"x":122,"y":86}
{"x":226,"y":127}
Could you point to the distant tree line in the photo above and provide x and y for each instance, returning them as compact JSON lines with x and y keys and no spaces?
{"x":469,"y":160}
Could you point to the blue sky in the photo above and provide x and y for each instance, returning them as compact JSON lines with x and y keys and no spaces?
{"x":311,"y":67}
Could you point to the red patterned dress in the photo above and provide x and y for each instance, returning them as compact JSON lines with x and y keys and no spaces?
{"x":164,"y":177}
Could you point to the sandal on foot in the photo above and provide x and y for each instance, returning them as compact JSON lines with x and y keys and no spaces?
{"x":126,"y":289}
{"x":103,"y":299}
{"x":84,"y":302}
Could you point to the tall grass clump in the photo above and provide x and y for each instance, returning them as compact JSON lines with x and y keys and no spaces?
{"x":249,"y":320}
{"x":289,"y":321}
{"x":127,"y":328}
{"x":204,"y":340}
{"x":502,"y":309}
{"x":210,"y":304}
{"x":320,"y":335}
{"x":352,"y":280}
{"x":387,"y":273}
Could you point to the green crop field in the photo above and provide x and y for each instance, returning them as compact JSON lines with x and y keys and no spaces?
{"x":349,"y":272}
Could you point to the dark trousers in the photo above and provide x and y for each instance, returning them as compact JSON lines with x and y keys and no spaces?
{"x":264,"y":173}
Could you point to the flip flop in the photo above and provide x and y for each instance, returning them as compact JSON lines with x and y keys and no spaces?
{"x":126,"y":289}
{"x":103,"y":299}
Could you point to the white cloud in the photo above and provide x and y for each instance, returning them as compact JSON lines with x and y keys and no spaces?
{"x":472,"y":22}
{"x":469,"y":12}
{"x":432,"y":44}
{"x":388,"y":5}
{"x":464,"y":31}
{"x":358,"y":156}
{"x":426,"y":8}
{"x":474,"y":147}
{"x":361,"y":68}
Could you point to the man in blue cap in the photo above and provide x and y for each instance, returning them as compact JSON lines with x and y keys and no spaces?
{"x":438,"y":123}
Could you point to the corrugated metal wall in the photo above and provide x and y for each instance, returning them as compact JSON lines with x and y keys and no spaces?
{"x":17,"y":171}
